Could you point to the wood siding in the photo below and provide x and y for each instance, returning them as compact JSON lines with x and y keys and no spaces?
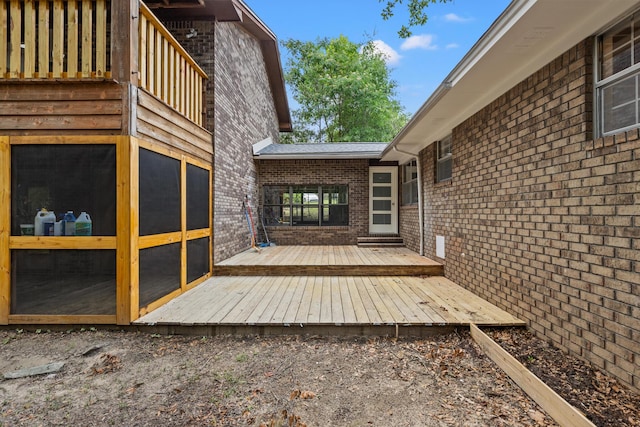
{"x":61,"y":109}
{"x":157,"y":122}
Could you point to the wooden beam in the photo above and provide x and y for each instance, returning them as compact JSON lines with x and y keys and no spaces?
{"x":39,"y":319}
{"x":29,"y":39}
{"x":72,"y":39}
{"x":62,"y":242}
{"x":87,"y":38}
{"x":124,"y":41}
{"x":3,"y":39}
{"x":5,"y":229}
{"x":58,"y":39}
{"x":43,"y":39}
{"x":101,"y":39}
{"x":124,"y":256}
{"x":63,"y":139}
{"x":558,"y":408}
{"x":16,"y":40}
{"x":183,"y":223}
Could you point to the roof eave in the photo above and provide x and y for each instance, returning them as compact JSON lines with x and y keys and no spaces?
{"x":323,"y":156}
{"x":526,"y":36}
{"x":238,"y":12}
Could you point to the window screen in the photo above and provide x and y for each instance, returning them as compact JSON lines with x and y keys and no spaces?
{"x":159,"y":272}
{"x":197,"y":258}
{"x":159,"y":193}
{"x":61,"y":178}
{"x":197,"y":197}
{"x":63,"y":282}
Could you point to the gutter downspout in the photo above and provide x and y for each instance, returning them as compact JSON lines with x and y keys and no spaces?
{"x":420,"y":207}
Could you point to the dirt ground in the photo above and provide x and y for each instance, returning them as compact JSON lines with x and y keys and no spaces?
{"x":137,"y":379}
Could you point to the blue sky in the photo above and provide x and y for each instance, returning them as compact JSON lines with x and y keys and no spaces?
{"x":418,"y":65}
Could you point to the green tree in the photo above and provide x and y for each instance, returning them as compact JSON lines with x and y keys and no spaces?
{"x":417,"y":14}
{"x":344,"y":92}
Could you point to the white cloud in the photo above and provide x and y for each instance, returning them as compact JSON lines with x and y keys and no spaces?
{"x":390,"y":56}
{"x":452,"y":17}
{"x":452,"y":46}
{"x":423,"y":41}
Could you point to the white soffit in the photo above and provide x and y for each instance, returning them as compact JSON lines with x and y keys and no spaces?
{"x":526,"y":37}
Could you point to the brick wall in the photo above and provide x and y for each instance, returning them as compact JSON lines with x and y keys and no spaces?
{"x":200,"y":48}
{"x":354,"y":173}
{"x":408,"y":227}
{"x":245,"y":114}
{"x":544,"y":221}
{"x":240,"y":112}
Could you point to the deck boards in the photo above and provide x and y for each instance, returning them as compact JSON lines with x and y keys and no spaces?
{"x":329,"y":300}
{"x":328,"y":286}
{"x":327,"y":260}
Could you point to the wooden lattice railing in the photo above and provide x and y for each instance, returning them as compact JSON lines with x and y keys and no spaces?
{"x":59,"y":39}
{"x":167,"y":70}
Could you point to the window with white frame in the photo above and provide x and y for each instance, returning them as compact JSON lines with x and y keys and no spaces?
{"x":618,"y":77}
{"x":410,"y":183}
{"x":444,"y":162}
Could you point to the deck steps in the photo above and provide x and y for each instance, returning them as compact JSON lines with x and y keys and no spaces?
{"x":380,"y":242}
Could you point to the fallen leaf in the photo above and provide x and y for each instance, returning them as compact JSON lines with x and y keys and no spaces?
{"x":307,"y":395}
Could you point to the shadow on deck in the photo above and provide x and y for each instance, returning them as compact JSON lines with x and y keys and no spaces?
{"x":336,"y":291}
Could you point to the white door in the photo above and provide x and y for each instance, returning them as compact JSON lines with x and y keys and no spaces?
{"x":383,"y":198}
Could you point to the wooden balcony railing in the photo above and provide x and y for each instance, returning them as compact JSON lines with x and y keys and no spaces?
{"x":167,"y":70}
{"x":54,"y":39}
{"x":71,"y":40}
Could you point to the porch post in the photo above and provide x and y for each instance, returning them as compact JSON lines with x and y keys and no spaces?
{"x":125,"y":18}
{"x":124,"y":41}
{"x":5,"y":229}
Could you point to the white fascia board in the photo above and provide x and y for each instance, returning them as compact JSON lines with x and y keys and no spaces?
{"x":258,"y":146}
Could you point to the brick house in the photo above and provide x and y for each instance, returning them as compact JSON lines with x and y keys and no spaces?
{"x":247,"y":103}
{"x":520,"y":174}
{"x":529,"y":174}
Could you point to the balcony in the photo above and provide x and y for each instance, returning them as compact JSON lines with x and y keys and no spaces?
{"x":98,"y":40}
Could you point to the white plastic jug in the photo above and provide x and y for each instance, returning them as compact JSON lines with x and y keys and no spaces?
{"x":83,"y":225}
{"x":44,"y":217}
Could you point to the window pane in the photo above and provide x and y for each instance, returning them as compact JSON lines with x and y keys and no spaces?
{"x":444,"y":169}
{"x":335,"y":215}
{"x":159,"y":193}
{"x":410,"y":193}
{"x":382,"y":205}
{"x":63,"y":282}
{"x":616,"y":51}
{"x":310,"y":215}
{"x":64,"y":178}
{"x":382,"y":178}
{"x":159,"y":272}
{"x":276,"y":194}
{"x":334,"y":195}
{"x":381,"y":191}
{"x":381,"y":219}
{"x":274,"y":215}
{"x":197,"y":197}
{"x":619,"y":105}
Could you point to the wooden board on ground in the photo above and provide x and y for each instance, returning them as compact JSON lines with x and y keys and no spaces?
{"x":558,"y":408}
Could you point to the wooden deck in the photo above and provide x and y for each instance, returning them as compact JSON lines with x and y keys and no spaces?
{"x":328,"y":261}
{"x":336,"y":301}
{"x":331,"y":290}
